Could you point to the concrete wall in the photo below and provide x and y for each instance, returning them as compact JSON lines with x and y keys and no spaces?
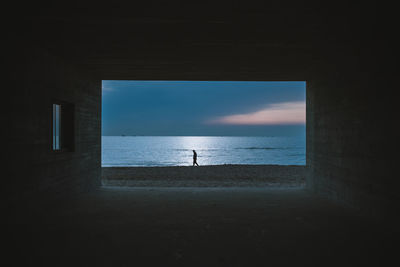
{"x":351,"y":135}
{"x":36,"y":79}
{"x":344,"y":52}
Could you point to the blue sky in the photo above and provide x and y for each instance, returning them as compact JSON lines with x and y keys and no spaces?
{"x":203,"y":108}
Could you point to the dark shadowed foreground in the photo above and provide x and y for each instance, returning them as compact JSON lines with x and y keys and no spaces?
{"x":169,"y":226}
{"x":206,"y":176}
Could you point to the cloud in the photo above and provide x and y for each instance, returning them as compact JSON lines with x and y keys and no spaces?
{"x":285,"y":113}
{"x":107,"y":89}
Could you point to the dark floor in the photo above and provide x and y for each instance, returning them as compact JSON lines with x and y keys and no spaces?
{"x":200,"y":227}
{"x":227,"y":175}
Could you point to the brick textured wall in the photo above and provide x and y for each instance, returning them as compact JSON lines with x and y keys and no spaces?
{"x":345,"y":53}
{"x":36,"y":80}
{"x":350,"y":135}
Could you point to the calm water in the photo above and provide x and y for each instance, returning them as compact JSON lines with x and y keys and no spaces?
{"x":177,"y":150}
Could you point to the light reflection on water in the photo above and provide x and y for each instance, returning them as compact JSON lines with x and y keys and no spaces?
{"x":211,"y":150}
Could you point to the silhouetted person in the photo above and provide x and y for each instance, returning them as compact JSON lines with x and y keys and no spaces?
{"x":195,"y":158}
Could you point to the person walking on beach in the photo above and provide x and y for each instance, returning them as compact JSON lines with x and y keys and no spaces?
{"x":195,"y":158}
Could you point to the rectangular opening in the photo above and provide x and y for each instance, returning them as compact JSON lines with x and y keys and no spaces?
{"x":247,"y":125}
{"x":63,"y":135}
{"x":56,"y":126}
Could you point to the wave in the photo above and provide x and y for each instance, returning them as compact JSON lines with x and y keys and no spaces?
{"x":247,"y":148}
{"x":261,"y":148}
{"x":211,"y":149}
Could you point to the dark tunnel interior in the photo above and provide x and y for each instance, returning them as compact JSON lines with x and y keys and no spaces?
{"x":56,"y":211}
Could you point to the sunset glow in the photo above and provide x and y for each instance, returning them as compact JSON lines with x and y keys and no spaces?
{"x":203,"y":108}
{"x":286,"y":113}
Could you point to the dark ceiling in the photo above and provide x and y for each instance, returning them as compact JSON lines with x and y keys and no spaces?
{"x":242,"y":40}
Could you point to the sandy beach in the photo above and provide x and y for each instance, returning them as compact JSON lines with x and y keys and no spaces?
{"x":206,"y":176}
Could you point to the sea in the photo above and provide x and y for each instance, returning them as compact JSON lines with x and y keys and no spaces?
{"x":149,"y":151}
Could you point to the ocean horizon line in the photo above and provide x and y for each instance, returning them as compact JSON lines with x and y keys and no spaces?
{"x":212,"y":150}
{"x":128,"y":135}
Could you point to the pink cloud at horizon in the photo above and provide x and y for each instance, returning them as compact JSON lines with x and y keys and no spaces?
{"x":285,"y":113}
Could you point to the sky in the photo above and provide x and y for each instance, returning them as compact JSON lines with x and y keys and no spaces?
{"x":203,"y":108}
